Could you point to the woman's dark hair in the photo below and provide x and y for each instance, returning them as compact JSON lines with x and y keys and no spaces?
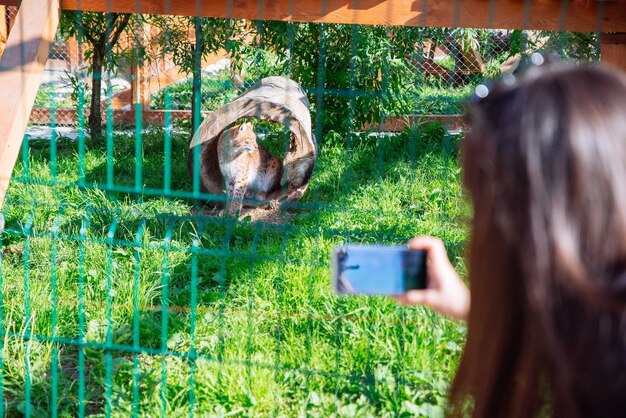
{"x":545,"y":166}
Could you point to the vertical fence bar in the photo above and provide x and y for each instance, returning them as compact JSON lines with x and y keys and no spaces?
{"x":279,"y":284}
{"x":110,"y":182}
{"x":230,"y":226}
{"x":258,"y":230}
{"x":193,"y":307}
{"x":108,"y":354}
{"x":167,"y":145}
{"x":54,"y":372}
{"x":320,"y":85}
{"x":167,"y":239}
{"x":110,"y":149}
{"x":82,"y":318}
{"x":53,"y":144}
{"x":138,"y":149}
{"x":165,"y":288}
{"x":80,"y":108}
{"x":27,"y":319}
{"x":197,"y":102}
{"x":137,"y":251}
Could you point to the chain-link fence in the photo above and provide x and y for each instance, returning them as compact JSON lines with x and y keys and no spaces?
{"x":123,"y":294}
{"x":446,"y":64}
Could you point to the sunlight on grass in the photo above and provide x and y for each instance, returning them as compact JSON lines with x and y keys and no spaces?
{"x":135,"y":303}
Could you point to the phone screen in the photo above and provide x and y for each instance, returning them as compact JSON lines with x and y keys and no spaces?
{"x":378,"y":269}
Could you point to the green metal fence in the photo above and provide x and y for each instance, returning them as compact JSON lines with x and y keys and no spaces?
{"x":122,"y":295}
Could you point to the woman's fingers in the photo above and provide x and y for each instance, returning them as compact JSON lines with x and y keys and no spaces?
{"x":445,"y":292}
{"x":433,"y":246}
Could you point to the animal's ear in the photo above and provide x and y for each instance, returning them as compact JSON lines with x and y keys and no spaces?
{"x":242,"y":127}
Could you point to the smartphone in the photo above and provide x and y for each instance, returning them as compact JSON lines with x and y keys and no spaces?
{"x":378,"y":269}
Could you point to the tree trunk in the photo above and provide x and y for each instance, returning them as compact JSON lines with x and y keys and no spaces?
{"x":95,"y":118}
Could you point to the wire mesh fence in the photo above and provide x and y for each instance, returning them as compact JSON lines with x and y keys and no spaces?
{"x":446,"y":64}
{"x":122,"y":293}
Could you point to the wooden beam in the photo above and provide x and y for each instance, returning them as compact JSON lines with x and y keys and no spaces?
{"x":21,"y":67}
{"x":613,"y":50}
{"x":579,"y":15}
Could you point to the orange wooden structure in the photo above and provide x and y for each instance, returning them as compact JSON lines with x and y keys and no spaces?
{"x":28,"y":46}
{"x":21,"y":67}
{"x":579,"y":15}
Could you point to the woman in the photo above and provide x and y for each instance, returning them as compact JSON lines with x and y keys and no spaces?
{"x":545,"y":167}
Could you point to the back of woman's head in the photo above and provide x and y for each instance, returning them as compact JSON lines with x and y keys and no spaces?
{"x":545,"y":165}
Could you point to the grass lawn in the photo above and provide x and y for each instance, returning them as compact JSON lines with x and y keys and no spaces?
{"x":134,"y":305}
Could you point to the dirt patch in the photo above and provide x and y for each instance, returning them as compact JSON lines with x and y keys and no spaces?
{"x":269,"y":214}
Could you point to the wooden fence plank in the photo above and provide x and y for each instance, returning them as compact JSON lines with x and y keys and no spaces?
{"x":21,"y":67}
{"x":579,"y":15}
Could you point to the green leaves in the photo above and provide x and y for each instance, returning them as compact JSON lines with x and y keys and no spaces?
{"x":176,"y":41}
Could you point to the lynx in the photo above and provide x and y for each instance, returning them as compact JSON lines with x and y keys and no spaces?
{"x":247,"y":167}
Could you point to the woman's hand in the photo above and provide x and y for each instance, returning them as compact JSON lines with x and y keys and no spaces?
{"x":445,"y":292}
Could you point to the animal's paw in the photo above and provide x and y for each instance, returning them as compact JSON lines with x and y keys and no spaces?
{"x":295,"y":194}
{"x":274,"y":205}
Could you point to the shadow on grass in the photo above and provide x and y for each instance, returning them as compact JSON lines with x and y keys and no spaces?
{"x":232,"y":291}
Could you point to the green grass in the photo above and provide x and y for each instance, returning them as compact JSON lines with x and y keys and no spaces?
{"x":167,"y":312}
{"x":437,"y":98}
{"x":216,"y":92}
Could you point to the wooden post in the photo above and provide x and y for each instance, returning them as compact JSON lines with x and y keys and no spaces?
{"x":21,"y":67}
{"x":140,"y":73}
{"x":144,"y":86}
{"x":139,"y":86}
{"x":613,"y":50}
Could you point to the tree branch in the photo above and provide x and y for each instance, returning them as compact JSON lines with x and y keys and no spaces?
{"x":104,"y":38}
{"x":119,"y":29}
{"x":89,"y":37}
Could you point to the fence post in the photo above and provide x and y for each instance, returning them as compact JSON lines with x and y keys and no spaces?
{"x":139,"y":85}
{"x":21,"y":67}
{"x":613,"y":49}
{"x":140,"y":73}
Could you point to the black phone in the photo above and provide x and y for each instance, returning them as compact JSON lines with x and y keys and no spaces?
{"x":378,"y":269}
